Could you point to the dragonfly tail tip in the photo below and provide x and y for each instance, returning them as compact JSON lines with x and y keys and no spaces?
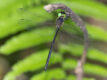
{"x":45,"y":68}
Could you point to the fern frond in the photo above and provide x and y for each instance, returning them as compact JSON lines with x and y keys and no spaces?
{"x":27,"y":39}
{"x":77,"y":50}
{"x":72,"y":77}
{"x":36,"y":61}
{"x":88,"y":68}
{"x":56,"y":74}
{"x":95,"y":33}
{"x":12,"y":25}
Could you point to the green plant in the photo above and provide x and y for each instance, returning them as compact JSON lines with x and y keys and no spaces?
{"x":20,"y":38}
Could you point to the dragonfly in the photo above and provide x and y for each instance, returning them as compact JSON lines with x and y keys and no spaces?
{"x":59,"y":23}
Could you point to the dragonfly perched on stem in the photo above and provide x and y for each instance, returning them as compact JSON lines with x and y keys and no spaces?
{"x":32,"y":19}
{"x":80,"y":23}
{"x":59,"y":23}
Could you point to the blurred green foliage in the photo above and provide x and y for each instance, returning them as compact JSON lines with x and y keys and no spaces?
{"x":27,"y":39}
{"x":88,"y":68}
{"x":51,"y":74}
{"x":34,"y":62}
{"x":18,"y":16}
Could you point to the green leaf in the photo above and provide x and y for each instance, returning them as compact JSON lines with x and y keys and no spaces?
{"x":56,"y":74}
{"x":9,"y":7}
{"x":77,"y":50}
{"x":88,"y":68}
{"x":72,"y":77}
{"x":27,"y":39}
{"x":36,"y":61}
{"x":13,"y":24}
{"x":97,"y":33}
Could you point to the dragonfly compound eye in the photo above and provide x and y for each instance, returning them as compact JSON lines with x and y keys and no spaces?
{"x":59,"y":14}
{"x":62,"y":14}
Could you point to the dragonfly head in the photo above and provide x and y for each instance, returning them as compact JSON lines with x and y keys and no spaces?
{"x":62,"y":14}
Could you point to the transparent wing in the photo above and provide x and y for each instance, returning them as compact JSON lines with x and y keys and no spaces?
{"x":75,"y":32}
{"x":26,"y":16}
{"x":33,"y":17}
